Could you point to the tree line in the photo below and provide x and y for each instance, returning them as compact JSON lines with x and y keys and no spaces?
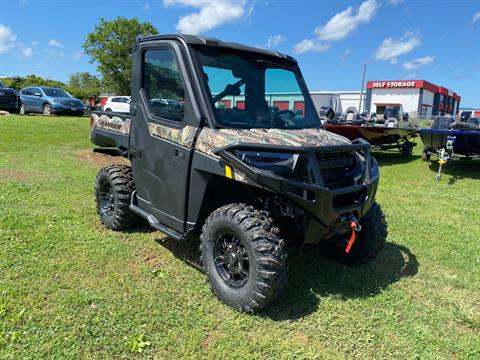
{"x":82,"y":85}
{"x":109,"y":46}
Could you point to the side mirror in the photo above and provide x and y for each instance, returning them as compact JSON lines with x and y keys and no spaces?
{"x":37,"y":94}
{"x":232,"y":90}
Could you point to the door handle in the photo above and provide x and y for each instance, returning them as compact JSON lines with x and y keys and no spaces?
{"x":134,"y":152}
{"x":179,"y":155}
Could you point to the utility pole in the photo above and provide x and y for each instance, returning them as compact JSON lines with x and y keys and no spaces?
{"x":361,"y":91}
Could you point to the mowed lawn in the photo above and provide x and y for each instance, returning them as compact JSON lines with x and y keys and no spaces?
{"x":69,"y":288}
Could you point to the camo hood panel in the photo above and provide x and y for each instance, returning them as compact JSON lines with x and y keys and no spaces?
{"x":211,"y":139}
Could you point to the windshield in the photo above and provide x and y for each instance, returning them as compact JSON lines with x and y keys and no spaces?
{"x":442,"y":123}
{"x":254,"y":91}
{"x":392,"y":111}
{"x":473,"y":121}
{"x":56,"y":93}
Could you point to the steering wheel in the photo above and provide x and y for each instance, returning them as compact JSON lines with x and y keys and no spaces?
{"x":282,"y":113}
{"x":283,"y":118}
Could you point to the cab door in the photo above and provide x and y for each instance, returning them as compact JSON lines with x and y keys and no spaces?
{"x":164,"y":124}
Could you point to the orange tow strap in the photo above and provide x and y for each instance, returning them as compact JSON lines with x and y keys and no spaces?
{"x":354,"y":227}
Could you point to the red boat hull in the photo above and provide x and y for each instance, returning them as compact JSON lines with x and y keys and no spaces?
{"x":374,"y":135}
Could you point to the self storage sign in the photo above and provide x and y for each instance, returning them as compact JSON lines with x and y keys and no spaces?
{"x":393,"y":84}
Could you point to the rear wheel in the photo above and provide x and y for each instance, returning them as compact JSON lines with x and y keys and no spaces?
{"x":369,"y":242}
{"x":243,"y":257}
{"x":113,"y":192}
{"x":425,"y":156}
{"x":407,"y":150}
{"x":47,"y":110}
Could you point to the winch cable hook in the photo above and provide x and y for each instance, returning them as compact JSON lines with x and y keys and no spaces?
{"x":355,"y":227}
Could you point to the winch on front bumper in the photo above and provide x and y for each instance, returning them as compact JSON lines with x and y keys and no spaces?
{"x":331,"y":184}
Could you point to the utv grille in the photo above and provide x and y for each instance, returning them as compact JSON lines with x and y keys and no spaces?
{"x":356,"y":198}
{"x":335,"y":169}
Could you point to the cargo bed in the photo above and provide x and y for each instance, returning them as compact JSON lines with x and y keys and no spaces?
{"x":110,"y":130}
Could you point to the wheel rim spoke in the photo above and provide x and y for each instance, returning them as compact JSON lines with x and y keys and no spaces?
{"x":220,"y":260}
{"x":231,"y":259}
{"x":243,"y":255}
{"x":243,"y":272}
{"x":107,"y":199}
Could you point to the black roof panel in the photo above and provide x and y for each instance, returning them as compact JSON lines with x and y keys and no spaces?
{"x":204,"y":40}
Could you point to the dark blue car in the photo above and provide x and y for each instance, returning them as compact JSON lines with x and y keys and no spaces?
{"x":9,"y":99}
{"x":48,"y":100}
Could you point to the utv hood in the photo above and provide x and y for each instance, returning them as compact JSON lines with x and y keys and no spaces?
{"x":211,"y":139}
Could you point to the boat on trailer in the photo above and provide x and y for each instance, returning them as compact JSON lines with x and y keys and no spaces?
{"x":448,"y":139}
{"x":382,"y":134}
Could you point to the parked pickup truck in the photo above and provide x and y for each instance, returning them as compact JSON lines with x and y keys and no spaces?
{"x":210,"y":156}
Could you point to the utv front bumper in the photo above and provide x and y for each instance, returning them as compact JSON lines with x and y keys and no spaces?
{"x":326,"y":204}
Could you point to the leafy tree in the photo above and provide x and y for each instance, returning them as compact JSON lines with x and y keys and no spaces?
{"x":19,"y":82}
{"x":84,"y":85}
{"x":110,"y":46}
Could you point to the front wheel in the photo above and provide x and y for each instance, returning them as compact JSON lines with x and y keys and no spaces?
{"x":47,"y":109}
{"x":369,"y":242}
{"x":243,"y":257}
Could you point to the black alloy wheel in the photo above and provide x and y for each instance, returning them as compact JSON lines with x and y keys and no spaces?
{"x":231,"y":259}
{"x":107,"y":199}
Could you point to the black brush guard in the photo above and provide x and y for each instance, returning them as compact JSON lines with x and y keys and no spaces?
{"x":321,"y":203}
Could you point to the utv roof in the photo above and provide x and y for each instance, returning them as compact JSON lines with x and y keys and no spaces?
{"x":208,"y":41}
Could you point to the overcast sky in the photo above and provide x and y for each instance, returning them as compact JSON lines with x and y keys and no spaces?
{"x":435,"y":40}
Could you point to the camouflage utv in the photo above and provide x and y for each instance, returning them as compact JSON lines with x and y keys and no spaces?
{"x":224,"y":142}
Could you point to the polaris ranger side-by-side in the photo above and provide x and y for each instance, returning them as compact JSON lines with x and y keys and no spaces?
{"x":214,"y":153}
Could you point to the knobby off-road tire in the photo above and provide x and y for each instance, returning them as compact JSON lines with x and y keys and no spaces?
{"x":243,"y":257}
{"x":114,"y":186}
{"x":369,"y":242}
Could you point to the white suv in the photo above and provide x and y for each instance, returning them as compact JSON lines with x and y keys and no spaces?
{"x":118,"y":104}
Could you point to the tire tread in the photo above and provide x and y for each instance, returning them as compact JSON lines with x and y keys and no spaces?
{"x":269,"y":249}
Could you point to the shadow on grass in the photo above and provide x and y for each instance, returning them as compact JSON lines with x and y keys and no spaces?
{"x":142,"y":227}
{"x":188,"y":251}
{"x":458,"y":170}
{"x":387,"y":158}
{"x":312,"y":276}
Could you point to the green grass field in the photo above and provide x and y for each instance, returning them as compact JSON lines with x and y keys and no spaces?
{"x":71,"y":289}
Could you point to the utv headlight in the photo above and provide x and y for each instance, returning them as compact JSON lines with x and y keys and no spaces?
{"x":277,"y":162}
